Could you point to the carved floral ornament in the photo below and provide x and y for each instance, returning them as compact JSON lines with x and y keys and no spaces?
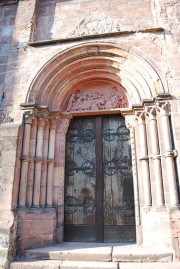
{"x":42,"y":117}
{"x":96,"y":99}
{"x":151,"y":111}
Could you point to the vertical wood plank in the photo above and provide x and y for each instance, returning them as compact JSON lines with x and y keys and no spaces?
{"x":99,"y":182}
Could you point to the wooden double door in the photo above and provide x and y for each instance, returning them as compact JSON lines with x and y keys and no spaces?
{"x":99,"y":199}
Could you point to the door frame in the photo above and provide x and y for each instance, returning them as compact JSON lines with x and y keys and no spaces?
{"x":129,"y":118}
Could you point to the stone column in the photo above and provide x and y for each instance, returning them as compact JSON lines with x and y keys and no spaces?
{"x":130,"y":123}
{"x":144,"y":159}
{"x":58,"y":180}
{"x":38,"y":159}
{"x":169,"y":154}
{"x":25,"y":159}
{"x":52,"y":136}
{"x":44,"y":166}
{"x":32,"y":150}
{"x":156,"y":156}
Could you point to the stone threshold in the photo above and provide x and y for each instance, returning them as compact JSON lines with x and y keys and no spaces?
{"x":100,"y":252}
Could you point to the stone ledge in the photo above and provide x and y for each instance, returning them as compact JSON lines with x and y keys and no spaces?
{"x":29,"y":264}
{"x":101,"y":252}
{"x":140,"y":254}
{"x":72,"y":252}
{"x":97,"y":36}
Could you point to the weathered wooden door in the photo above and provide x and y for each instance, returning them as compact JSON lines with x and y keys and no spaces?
{"x":99,"y":200}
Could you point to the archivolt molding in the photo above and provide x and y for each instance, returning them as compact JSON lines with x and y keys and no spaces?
{"x":70,"y":69}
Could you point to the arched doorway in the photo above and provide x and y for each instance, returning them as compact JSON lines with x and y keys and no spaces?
{"x":51,"y":104}
{"x":99,"y":196}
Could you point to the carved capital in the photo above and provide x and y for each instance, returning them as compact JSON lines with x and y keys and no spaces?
{"x":29,"y":116}
{"x":151,"y":112}
{"x":42,"y":119}
{"x":54,"y":120}
{"x":164,"y":108}
{"x":140,"y":116}
{"x":64,"y":124}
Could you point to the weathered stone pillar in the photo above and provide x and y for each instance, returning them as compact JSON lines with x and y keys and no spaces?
{"x":169,"y":154}
{"x":38,"y":159}
{"x":155,"y":155}
{"x":52,"y":136}
{"x":144,"y":159}
{"x":44,"y":166}
{"x":130,"y":123}
{"x":59,"y":174}
{"x":25,"y":159}
{"x":32,"y":150}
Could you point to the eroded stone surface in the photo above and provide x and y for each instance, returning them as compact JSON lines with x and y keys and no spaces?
{"x":73,"y":252}
{"x":140,"y":254}
{"x":35,"y":264}
{"x":88,"y":265}
{"x":148,"y":266}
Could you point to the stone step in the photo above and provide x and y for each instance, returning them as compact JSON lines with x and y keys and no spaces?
{"x":100,"y":252}
{"x":51,"y":264}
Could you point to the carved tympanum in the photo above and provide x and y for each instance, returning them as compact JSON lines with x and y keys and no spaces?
{"x":96,"y":100}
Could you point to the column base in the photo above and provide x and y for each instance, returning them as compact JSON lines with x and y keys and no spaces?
{"x":35,"y":206}
{"x":49,"y":206}
{"x":159,"y":208}
{"x":174,"y":208}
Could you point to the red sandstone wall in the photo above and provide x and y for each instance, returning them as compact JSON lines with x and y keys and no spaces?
{"x":8,"y":138}
{"x":53,"y":19}
{"x":7,"y":19}
{"x":62,"y":19}
{"x":35,"y":228}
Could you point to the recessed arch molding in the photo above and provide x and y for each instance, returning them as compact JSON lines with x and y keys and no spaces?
{"x":65,"y":72}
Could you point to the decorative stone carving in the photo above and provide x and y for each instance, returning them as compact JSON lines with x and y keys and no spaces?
{"x":96,"y":23}
{"x":96,"y":100}
{"x":164,"y":108}
{"x":5,"y":117}
{"x":64,"y":124}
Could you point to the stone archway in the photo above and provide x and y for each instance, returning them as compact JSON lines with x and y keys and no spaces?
{"x":53,"y":99}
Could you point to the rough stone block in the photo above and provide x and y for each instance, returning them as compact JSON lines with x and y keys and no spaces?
{"x":175,"y":225}
{"x":28,"y":242}
{"x":47,"y":239}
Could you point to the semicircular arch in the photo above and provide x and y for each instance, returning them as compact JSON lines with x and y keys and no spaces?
{"x":94,"y":61}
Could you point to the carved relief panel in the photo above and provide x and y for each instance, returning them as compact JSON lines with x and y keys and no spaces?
{"x":96,"y":96}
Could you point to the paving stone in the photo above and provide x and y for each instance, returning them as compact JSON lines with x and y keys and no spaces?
{"x":35,"y":264}
{"x":149,"y":266}
{"x":88,"y":265}
{"x":140,"y":254}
